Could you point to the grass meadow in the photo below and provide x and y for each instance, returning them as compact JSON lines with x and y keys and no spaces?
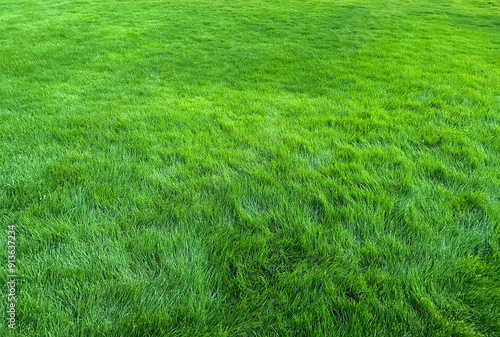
{"x":251,"y":168}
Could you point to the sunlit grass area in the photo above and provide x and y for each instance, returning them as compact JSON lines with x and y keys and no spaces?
{"x":251,"y":168}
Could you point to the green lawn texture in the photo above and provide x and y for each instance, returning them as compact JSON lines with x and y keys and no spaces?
{"x":251,"y":168}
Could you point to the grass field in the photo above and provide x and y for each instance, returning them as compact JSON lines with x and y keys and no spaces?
{"x":251,"y":168}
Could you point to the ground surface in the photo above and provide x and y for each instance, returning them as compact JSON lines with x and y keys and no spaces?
{"x":251,"y":168}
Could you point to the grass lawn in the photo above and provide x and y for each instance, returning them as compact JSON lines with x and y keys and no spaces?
{"x":251,"y":167}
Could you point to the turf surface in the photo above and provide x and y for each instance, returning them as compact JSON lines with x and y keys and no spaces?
{"x":251,"y":168}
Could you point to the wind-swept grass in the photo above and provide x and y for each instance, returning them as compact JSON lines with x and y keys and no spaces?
{"x":251,"y":168}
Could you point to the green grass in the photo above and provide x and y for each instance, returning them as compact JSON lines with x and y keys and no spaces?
{"x":251,"y":168}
